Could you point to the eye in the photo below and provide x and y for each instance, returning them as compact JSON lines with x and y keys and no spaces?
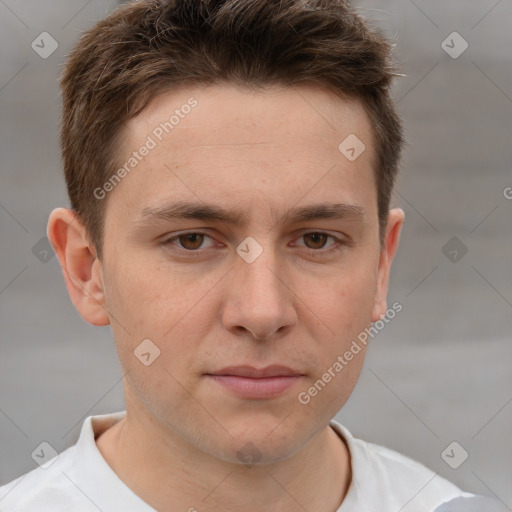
{"x":191,"y":241}
{"x":316,"y":241}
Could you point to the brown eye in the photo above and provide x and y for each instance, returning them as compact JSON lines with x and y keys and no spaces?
{"x":318,"y":240}
{"x":191,"y":241}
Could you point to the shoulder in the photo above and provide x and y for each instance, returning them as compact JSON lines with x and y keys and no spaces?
{"x":77,"y":479}
{"x":42,"y":489}
{"x":382,"y":477}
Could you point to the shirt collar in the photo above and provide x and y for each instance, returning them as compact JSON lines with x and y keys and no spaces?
{"x":102,"y":486}
{"x":94,"y":477}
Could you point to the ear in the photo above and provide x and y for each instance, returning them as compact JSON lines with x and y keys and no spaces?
{"x":83,"y":271}
{"x":387,"y":252}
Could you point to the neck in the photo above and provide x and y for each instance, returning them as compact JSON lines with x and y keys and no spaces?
{"x":168,"y":473}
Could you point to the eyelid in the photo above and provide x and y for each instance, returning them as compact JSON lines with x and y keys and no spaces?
{"x":340,"y":240}
{"x":168,"y":239}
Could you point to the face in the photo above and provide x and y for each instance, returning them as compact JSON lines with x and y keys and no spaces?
{"x":277,"y":262}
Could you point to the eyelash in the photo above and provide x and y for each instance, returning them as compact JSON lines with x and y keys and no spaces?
{"x":338,"y":245}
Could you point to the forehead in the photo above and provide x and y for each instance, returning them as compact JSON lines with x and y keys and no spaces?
{"x":271,"y":146}
{"x":297,"y":112}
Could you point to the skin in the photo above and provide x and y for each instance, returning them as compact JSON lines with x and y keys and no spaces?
{"x":297,"y":304}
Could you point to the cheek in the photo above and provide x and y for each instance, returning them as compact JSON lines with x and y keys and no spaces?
{"x":339,"y":354}
{"x":345,"y":307}
{"x":145,"y":297}
{"x":345,"y":300}
{"x":162,"y":305}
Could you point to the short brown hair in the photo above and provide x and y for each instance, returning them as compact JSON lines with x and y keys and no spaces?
{"x":150,"y":46}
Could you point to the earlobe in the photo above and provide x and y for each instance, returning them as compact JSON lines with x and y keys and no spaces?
{"x":83,"y":272}
{"x":387,"y":253}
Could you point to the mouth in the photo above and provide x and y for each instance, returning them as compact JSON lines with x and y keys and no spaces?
{"x":251,"y":383}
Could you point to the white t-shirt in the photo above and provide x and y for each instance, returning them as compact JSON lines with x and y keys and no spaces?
{"x":80,"y":480}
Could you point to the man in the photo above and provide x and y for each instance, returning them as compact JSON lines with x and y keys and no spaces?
{"x":230,"y":165}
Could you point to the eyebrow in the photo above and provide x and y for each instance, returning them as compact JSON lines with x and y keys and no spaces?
{"x":214,"y":212}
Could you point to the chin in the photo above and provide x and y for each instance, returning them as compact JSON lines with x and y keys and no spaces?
{"x":258,"y":446}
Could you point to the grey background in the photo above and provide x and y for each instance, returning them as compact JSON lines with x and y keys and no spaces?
{"x":441,"y":371}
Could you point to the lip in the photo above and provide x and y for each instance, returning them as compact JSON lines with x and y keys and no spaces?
{"x":274,"y":370}
{"x":253,"y":383}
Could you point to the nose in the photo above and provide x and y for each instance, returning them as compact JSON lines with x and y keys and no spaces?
{"x":259,"y":299}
